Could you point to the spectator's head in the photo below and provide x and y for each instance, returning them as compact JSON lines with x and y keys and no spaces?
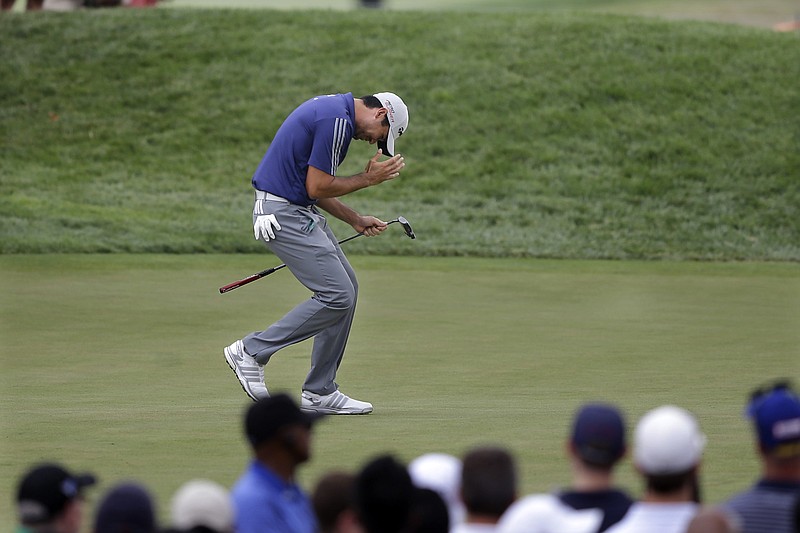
{"x":126,"y":508}
{"x":775,"y":412}
{"x":384,"y":493}
{"x":668,"y":448}
{"x":488,"y":483}
{"x":598,"y":436}
{"x":428,"y":514}
{"x":49,"y":497}
{"x":278,"y":430}
{"x":440,"y":472}
{"x":204,"y":505}
{"x":334,"y":505}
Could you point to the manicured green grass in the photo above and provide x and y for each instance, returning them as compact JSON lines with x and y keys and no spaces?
{"x":532,"y":135}
{"x":113,"y":362}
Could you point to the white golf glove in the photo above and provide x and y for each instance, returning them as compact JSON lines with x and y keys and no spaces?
{"x":265,"y":227}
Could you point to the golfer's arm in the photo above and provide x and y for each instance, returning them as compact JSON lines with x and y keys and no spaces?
{"x":321,"y":185}
{"x":338,"y":209}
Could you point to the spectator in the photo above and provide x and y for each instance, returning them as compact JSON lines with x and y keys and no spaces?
{"x":49,"y":500}
{"x":796,"y":515}
{"x":31,"y":5}
{"x":266,"y":497}
{"x":428,"y":513}
{"x":768,"y":505}
{"x":440,"y":472}
{"x":333,"y":500}
{"x":126,"y":508}
{"x":668,"y":450}
{"x":713,"y":520}
{"x":488,"y":488}
{"x":202,"y":506}
{"x":595,"y":446}
{"x":384,"y":494}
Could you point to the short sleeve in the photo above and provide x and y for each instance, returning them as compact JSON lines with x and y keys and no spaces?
{"x":331,"y":139}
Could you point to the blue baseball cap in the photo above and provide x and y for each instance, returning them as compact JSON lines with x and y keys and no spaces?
{"x":776,"y":417}
{"x":598,"y":434}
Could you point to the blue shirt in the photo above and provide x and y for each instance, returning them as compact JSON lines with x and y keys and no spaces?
{"x":264,"y":503}
{"x":766,"y":507}
{"x":317,"y":133}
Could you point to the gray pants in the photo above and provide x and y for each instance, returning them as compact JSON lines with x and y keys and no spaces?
{"x":309,"y":248}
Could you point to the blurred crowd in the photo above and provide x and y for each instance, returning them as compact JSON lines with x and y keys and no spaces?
{"x":441,"y":493}
{"x":71,"y":5}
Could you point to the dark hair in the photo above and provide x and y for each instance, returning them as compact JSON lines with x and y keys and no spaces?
{"x":383,"y":495}
{"x":667,"y":483}
{"x":428,"y":513}
{"x":488,"y":481}
{"x":371,"y":101}
{"x":333,"y":495}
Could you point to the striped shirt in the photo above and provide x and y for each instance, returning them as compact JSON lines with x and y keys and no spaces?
{"x":317,"y":133}
{"x":767,"y":507}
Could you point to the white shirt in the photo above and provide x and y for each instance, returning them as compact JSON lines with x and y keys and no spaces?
{"x":544,"y":513}
{"x":656,"y":518}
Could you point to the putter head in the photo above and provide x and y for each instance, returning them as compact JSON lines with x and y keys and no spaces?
{"x":406,"y":227}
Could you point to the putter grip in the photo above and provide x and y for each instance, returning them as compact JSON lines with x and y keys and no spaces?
{"x":236,"y":284}
{"x":249,"y":279}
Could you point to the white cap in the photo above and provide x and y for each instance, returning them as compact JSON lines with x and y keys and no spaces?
{"x":441,"y":473}
{"x":668,"y":441}
{"x":202,"y":503}
{"x":397,"y":113}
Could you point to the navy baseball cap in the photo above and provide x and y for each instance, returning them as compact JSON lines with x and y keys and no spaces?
{"x":267,"y":416}
{"x":598,"y":434}
{"x":126,"y":508}
{"x":776,"y":416}
{"x":46,"y":490}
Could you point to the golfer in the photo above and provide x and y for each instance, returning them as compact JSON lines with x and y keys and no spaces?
{"x":296,"y":178}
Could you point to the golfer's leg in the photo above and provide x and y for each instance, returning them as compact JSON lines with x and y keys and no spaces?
{"x":314,"y":261}
{"x":329,"y":344}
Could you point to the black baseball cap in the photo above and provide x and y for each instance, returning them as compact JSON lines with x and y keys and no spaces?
{"x":46,"y":489}
{"x":267,"y":416}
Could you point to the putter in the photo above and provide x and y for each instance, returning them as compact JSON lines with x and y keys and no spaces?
{"x":258,"y":275}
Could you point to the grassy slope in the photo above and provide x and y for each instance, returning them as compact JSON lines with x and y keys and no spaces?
{"x":561,"y":135}
{"x":762,"y":12}
{"x":102,"y":371}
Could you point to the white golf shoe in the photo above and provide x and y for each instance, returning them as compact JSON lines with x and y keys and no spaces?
{"x":247,"y":370}
{"x":335,"y":403}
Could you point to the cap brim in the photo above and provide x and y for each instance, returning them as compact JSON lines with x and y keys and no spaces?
{"x":387,"y":147}
{"x":85,"y":480}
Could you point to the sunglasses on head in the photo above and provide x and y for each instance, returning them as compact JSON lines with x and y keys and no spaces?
{"x":760,"y":394}
{"x":776,"y":386}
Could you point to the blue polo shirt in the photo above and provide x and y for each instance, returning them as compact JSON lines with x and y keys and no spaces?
{"x":317,"y":133}
{"x":264,"y":503}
